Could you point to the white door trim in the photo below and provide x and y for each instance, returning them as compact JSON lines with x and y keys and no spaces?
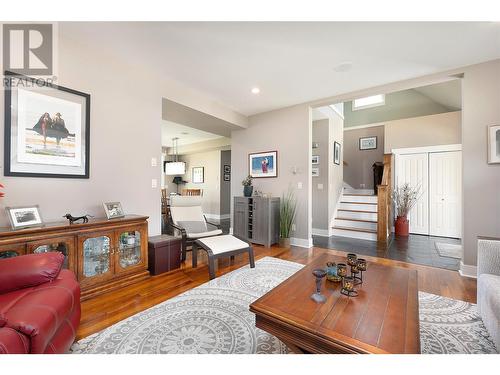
{"x":429,"y":149}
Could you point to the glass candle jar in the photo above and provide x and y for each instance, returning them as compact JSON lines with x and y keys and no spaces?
{"x":331,"y":272}
{"x":342,"y":269}
{"x":352,"y":259}
{"x":361,"y":264}
{"x":348,"y":284}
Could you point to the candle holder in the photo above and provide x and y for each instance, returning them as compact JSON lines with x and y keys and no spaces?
{"x":331,"y":272}
{"x":342,"y":270}
{"x":317,"y":296}
{"x":352,"y":259}
{"x":362,"y":268}
{"x":348,"y":287}
{"x":354,"y":274}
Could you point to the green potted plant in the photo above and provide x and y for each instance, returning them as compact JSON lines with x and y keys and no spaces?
{"x":288,"y":212}
{"x":247,"y":186}
{"x":404,"y":198}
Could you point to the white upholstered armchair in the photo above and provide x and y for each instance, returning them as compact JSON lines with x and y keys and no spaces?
{"x":488,"y":285}
{"x":186,"y":216}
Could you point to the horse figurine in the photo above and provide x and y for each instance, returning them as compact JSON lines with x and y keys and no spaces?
{"x":72,"y":219}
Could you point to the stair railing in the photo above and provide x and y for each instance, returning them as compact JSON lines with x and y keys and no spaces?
{"x":384,"y":202}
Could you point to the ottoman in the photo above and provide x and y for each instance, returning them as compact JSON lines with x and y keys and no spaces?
{"x":219,"y":247}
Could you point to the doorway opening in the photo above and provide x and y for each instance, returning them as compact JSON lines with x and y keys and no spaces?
{"x":416,"y":135}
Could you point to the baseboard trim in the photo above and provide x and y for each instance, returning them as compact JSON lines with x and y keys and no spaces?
{"x":321,"y":232}
{"x":301,"y":242}
{"x":467,"y":270}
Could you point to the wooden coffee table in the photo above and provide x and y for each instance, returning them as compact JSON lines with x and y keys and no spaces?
{"x":383,"y":318}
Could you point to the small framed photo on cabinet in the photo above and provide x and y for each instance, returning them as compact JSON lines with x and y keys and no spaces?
{"x":24,"y":217}
{"x":113,"y":210}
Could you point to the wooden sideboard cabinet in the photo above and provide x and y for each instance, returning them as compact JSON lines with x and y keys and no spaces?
{"x":257,"y":219}
{"x":104,"y":254}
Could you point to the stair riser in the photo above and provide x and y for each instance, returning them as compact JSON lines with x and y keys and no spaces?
{"x":358,"y":191}
{"x":359,"y":198}
{"x":353,"y":234}
{"x":358,"y":215}
{"x":355,"y":224}
{"x":358,"y":207}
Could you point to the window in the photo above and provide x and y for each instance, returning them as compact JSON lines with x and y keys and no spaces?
{"x":368,"y":102}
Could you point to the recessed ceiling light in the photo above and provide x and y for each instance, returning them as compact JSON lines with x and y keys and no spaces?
{"x":255,"y":90}
{"x":343,"y":67}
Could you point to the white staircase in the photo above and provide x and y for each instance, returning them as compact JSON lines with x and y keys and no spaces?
{"x":356,"y":215}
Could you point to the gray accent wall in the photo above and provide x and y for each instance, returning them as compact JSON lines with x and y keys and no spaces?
{"x":481,"y":181}
{"x":433,"y":130}
{"x":225,"y":186}
{"x":358,"y":169}
{"x":125,"y":131}
{"x":398,"y":105}
{"x":287,"y":131}
{"x":321,"y":136}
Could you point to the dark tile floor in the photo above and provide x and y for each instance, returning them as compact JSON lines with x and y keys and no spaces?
{"x":414,"y":249}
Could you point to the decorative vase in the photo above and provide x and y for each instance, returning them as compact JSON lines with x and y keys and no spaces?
{"x":402,"y":226}
{"x":247,"y":191}
{"x":285,"y":242}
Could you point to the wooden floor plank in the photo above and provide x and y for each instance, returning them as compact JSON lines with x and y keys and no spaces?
{"x":105,"y":310}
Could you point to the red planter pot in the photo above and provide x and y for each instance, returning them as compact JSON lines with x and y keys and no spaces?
{"x":402,"y":226}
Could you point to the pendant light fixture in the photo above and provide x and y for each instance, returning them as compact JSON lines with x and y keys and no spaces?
{"x":175,"y":167}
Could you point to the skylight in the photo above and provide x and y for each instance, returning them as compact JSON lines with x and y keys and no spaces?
{"x":368,"y":102}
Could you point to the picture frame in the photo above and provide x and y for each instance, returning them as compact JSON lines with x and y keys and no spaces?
{"x":263,"y":164}
{"x":315,"y":172}
{"x":47,"y":129}
{"x":227,"y":169}
{"x":494,"y":144}
{"x":113,"y":210}
{"x":24,"y":216}
{"x":198,"y":175}
{"x":315,"y":159}
{"x":337,"y":148}
{"x":227,"y":177}
{"x":368,"y":143}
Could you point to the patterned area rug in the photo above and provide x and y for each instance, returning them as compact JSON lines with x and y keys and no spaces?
{"x":214,"y":318}
{"x":450,"y":326}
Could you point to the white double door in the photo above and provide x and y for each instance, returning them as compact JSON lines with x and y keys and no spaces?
{"x":438,"y":211}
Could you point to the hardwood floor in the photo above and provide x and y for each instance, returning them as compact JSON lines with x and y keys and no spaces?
{"x":105,"y":310}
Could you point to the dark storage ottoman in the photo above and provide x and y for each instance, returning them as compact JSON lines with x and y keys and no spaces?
{"x":164,"y":253}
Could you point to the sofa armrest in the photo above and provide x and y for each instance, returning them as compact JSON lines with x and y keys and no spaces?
{"x":13,"y":342}
{"x":29,"y":270}
{"x":488,"y":256}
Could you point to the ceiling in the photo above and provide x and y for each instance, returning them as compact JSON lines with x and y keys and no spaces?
{"x":185,"y":134}
{"x":290,"y":62}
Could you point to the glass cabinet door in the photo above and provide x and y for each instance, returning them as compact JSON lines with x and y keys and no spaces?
{"x":10,"y":251}
{"x":64,"y":245}
{"x":129,"y":249}
{"x":96,"y":253}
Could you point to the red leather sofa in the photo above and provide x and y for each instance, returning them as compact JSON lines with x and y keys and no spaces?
{"x":39,"y":304}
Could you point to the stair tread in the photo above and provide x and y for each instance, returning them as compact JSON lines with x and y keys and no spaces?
{"x":359,"y":195}
{"x":364,"y":221}
{"x":355,"y":229}
{"x":368,"y":212}
{"x":373,"y":204}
